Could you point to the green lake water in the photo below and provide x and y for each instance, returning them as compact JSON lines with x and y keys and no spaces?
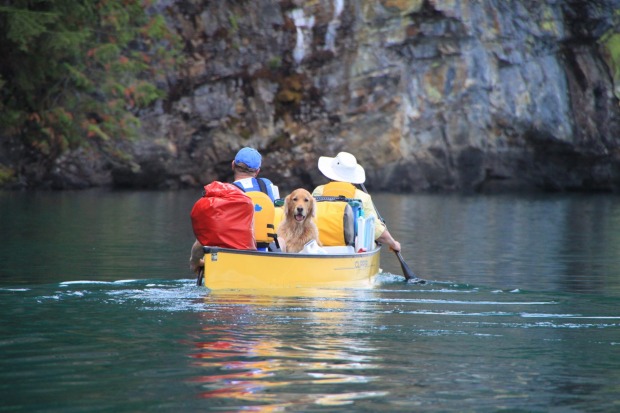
{"x":521,"y":312}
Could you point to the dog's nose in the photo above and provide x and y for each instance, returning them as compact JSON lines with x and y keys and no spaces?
{"x":300,"y":210}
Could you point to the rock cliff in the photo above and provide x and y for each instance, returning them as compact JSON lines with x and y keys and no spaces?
{"x":430,"y":95}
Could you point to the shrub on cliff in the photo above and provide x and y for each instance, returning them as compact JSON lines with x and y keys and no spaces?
{"x":78,"y":72}
{"x":611,"y":53}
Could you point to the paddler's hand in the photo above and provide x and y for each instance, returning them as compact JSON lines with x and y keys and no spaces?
{"x":197,"y":267}
{"x":386,"y":238}
{"x":196,"y":258}
{"x":395,"y":246}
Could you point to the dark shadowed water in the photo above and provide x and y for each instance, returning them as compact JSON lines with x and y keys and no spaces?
{"x":521,"y":313}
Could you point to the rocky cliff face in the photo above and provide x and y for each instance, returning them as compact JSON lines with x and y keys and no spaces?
{"x":485,"y":95}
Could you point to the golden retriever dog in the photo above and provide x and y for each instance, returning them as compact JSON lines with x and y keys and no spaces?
{"x":298,"y":226}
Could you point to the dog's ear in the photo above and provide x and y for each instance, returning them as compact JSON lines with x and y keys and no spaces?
{"x":312,"y":207}
{"x":287,"y":206}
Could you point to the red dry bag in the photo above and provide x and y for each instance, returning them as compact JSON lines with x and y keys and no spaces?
{"x":223,"y":217}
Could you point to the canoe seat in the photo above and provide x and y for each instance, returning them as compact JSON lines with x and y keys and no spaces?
{"x":264,"y":214}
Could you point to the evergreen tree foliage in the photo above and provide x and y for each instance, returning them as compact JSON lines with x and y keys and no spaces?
{"x":77,"y":72}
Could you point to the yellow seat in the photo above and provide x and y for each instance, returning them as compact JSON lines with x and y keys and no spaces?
{"x":264,"y":212}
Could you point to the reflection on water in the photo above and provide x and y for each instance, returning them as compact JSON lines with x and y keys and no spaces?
{"x":262,"y":367}
{"x":399,"y":346}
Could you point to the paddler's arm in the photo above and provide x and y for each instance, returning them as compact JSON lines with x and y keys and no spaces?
{"x":386,"y":238}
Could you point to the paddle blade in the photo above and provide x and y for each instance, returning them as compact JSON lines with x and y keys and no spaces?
{"x":409,"y":275}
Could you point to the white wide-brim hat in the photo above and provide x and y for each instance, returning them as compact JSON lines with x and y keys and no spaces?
{"x":343,"y":168}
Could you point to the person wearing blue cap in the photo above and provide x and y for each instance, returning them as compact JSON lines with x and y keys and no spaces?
{"x":246,"y":167}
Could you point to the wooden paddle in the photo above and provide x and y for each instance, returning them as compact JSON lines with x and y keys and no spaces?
{"x":409,"y":275}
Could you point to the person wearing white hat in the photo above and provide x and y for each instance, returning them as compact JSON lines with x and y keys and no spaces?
{"x":344,"y":171}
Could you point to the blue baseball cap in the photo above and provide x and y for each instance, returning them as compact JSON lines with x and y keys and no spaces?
{"x":248,"y":156}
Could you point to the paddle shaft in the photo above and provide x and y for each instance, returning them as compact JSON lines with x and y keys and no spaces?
{"x":409,"y":275}
{"x":201,"y":274}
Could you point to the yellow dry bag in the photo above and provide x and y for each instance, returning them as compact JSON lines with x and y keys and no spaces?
{"x":336,"y":223}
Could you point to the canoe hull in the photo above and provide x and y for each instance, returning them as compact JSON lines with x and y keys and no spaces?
{"x":240,"y":269}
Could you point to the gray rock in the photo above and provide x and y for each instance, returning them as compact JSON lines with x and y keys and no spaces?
{"x":439,"y":95}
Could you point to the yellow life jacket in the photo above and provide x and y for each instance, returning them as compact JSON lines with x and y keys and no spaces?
{"x":264,"y":212}
{"x":335,"y":188}
{"x":336,"y":223}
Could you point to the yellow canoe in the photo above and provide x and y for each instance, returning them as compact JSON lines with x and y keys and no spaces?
{"x":227,"y":269}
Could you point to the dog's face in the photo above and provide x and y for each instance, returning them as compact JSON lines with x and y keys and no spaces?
{"x":299,"y":205}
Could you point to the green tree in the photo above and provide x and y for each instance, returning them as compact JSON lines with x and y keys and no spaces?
{"x":77,"y":72}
